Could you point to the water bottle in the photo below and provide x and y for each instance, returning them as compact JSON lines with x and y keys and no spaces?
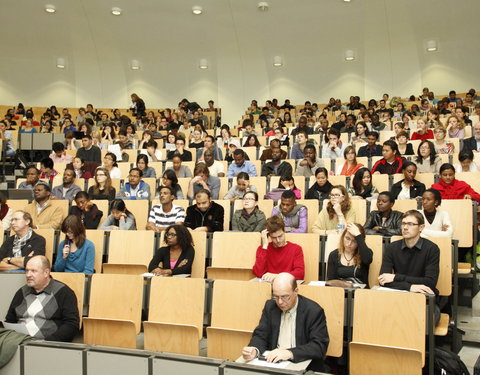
{"x":340,"y":228}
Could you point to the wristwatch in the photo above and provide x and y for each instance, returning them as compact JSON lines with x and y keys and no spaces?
{"x":9,"y":260}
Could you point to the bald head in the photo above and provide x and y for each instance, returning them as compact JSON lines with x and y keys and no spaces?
{"x":37,"y":271}
{"x":284,"y":290}
{"x":285,"y":280}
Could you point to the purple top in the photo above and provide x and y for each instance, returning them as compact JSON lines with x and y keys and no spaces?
{"x":302,"y":221}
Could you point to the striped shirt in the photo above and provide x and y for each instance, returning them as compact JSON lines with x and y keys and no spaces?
{"x":165,"y":219}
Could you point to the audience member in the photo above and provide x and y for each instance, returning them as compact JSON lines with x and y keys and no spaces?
{"x":350,"y":165}
{"x":437,"y":222}
{"x":310,"y":162}
{"x":75,"y":253}
{"x":47,"y":170}
{"x":241,"y":165}
{"x":451,"y":188}
{"x":89,"y":152}
{"x":25,"y":243}
{"x":166,"y":213}
{"x":177,"y":256}
{"x":203,"y":180}
{"x":59,"y":155}
{"x":102,"y":189}
{"x":267,"y":152}
{"x":68,"y":189}
{"x":6,"y":213}
{"x":151,"y":151}
{"x":473,"y":143}
{"x":43,"y":213}
{"x":338,"y":212}
{"x":32,"y":176}
{"x":405,"y":148}
{"x":391,"y":162}
{"x":86,"y":210}
{"x":120,"y":217}
{"x":427,"y":159}
{"x":250,"y":218}
{"x":371,"y":148}
{"x":47,"y":307}
{"x":181,"y":171}
{"x":467,"y":162}
{"x":294,"y":216}
{"x":135,"y":188}
{"x":455,"y":127}
{"x":185,"y":155}
{"x":209,"y":144}
{"x":335,"y":147}
{"x":384,"y":221}
{"x":423,"y":132}
{"x":142,"y":164}
{"x":276,"y":167}
{"x":362,"y":186}
{"x":110,"y":164}
{"x":351,"y":260}
{"x":242,"y":186}
{"x":298,"y":147}
{"x":82,"y":169}
{"x":409,"y":187}
{"x":215,"y":167}
{"x":205,"y":215}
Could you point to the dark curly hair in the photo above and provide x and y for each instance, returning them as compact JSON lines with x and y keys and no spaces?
{"x":184,"y":237}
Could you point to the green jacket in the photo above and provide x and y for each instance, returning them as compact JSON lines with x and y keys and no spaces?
{"x":255,"y":223}
{"x":9,"y":341}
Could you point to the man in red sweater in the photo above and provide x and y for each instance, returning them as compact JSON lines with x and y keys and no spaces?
{"x":278,"y":255}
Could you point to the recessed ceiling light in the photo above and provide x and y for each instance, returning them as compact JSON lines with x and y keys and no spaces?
{"x":346,"y":1}
{"x":135,"y":65}
{"x":61,"y":63}
{"x":197,"y":9}
{"x":116,"y":11}
{"x":262,"y":6}
{"x":49,"y":8}
{"x":203,"y":64}
{"x":432,"y":46}
{"x":349,"y":55}
{"x":277,"y":61}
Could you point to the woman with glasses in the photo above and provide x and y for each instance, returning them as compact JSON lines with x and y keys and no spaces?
{"x":177,"y":256}
{"x":408,"y":188}
{"x":351,"y":260}
{"x":442,"y":146}
{"x":239,"y":190}
{"x":110,"y":164}
{"x":336,"y":214}
{"x":120,"y":218}
{"x":250,"y":218}
{"x":427,"y":159}
{"x":103,"y":188}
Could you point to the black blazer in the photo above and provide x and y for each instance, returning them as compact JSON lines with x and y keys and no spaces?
{"x":311,"y":335}
{"x":469,"y":144}
{"x":365,"y":151}
{"x":163,"y":255}
{"x":36,"y":243}
{"x":416,"y":190}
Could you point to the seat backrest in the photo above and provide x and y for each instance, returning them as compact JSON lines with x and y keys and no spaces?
{"x":404,"y":205}
{"x":360,"y":208}
{"x":177,"y":300}
{"x":375,"y":243}
{"x":235,"y":249}
{"x":390,"y":318}
{"x":331,"y":244}
{"x":140,"y":209}
{"x":238,"y":304}
{"x":381,"y":182}
{"x":462,"y":224}
{"x":332,"y":300}
{"x":17,"y":204}
{"x":471,"y":178}
{"x":76,"y":282}
{"x":49,"y":235}
{"x":310,"y":243}
{"x":116,"y":297}
{"x":312,"y":206}
{"x":444,"y":283}
{"x":200,"y":246}
{"x":97,"y":236}
{"x":152,"y":182}
{"x":260,"y":182}
{"x":62,"y":203}
{"x":226,"y":204}
{"x":131,"y":247}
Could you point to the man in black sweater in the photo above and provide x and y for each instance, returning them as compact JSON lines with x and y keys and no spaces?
{"x":205,"y":215}
{"x":89,"y":152}
{"x":412,"y":263}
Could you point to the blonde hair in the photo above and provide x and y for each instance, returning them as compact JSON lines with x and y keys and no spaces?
{"x":461,"y":124}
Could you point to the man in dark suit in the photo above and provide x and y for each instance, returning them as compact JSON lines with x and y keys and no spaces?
{"x":371,"y":149}
{"x":473,"y":143}
{"x":292,"y":327}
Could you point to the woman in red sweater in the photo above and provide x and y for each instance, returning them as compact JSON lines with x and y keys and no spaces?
{"x":423,"y":132}
{"x":451,"y":188}
{"x":278,"y":255}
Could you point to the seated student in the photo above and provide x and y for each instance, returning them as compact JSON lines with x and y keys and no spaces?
{"x":203,"y":181}
{"x":371,"y":148}
{"x":362,"y":187}
{"x":103,"y":188}
{"x":241,"y":165}
{"x":286,"y":182}
{"x":209,"y":144}
{"x":68,"y":189}
{"x":170,"y":179}
{"x":451,"y":188}
{"x":205,"y":215}
{"x":142,"y":164}
{"x":294,"y":216}
{"x":310,"y":163}
{"x":239,"y":190}
{"x":185,"y":155}
{"x":44,"y":214}
{"x":276,"y":167}
{"x":25,"y":243}
{"x":437,"y":222}
{"x":75,"y":253}
{"x":151,"y":151}
{"x":427,"y":159}
{"x":267,"y":153}
{"x":408,"y":188}
{"x":135,"y":188}
{"x":166,"y":213}
{"x":467,"y":163}
{"x":404,"y":146}
{"x":411,"y":263}
{"x":89,"y":152}
{"x":32,"y":176}
{"x":180,"y":170}
{"x":335,"y":147}
{"x":120,"y":218}
{"x":321,"y":188}
{"x":47,"y":170}
{"x":391,"y":162}
{"x":177,"y":257}
{"x":352,"y":259}
{"x":350,"y":165}
{"x":82,"y":169}
{"x":250,"y":218}
{"x":423,"y":132}
{"x":86,"y":210}
{"x":298,"y":147}
{"x":384,"y":221}
{"x":111,"y":165}
{"x":276,"y":331}
{"x":6,"y":213}
{"x":278,"y":255}
{"x":338,"y":211}
{"x":473,"y":143}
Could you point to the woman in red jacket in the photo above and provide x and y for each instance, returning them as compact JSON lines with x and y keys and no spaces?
{"x":451,"y":188}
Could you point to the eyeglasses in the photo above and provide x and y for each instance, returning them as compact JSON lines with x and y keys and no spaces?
{"x":409,"y":224}
{"x":283,"y":298}
{"x":171,"y":235}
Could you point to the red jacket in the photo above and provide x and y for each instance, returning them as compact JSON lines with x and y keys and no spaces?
{"x":428,"y":135}
{"x":456,"y":190}
{"x":288,"y":258}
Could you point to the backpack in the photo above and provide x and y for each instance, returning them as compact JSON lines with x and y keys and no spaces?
{"x":448,"y":363}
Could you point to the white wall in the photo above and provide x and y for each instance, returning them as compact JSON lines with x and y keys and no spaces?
{"x":239,"y":42}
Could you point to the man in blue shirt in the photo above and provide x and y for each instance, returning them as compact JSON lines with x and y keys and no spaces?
{"x":241,"y":165}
